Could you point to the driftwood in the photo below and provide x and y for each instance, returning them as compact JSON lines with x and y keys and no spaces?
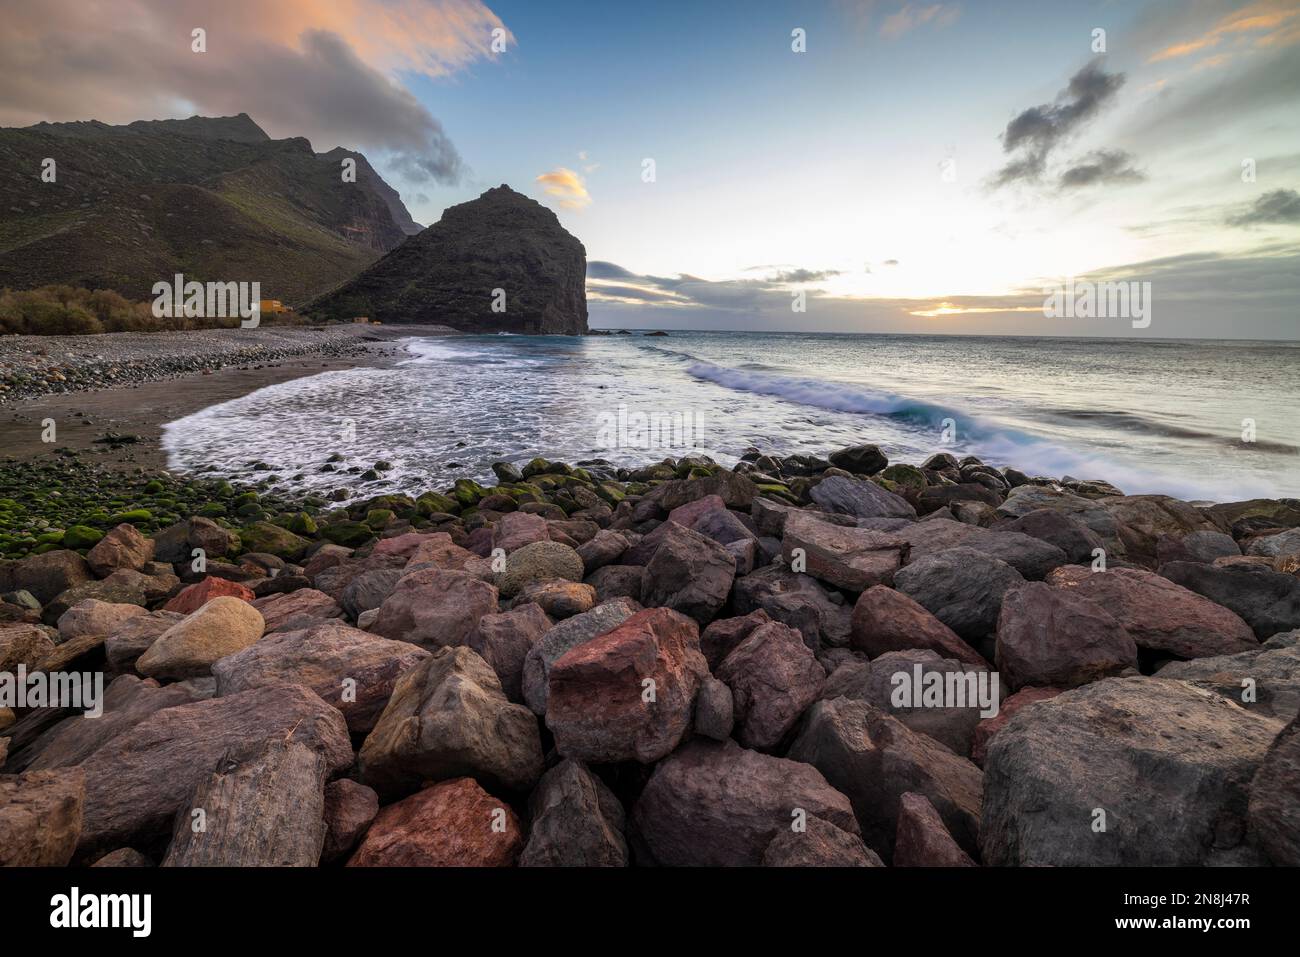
{"x":262,"y":806}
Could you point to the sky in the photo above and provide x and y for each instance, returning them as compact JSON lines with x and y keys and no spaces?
{"x":906,"y":167}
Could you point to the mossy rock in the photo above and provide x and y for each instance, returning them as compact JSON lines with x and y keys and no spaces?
{"x":432,"y":503}
{"x":538,"y":466}
{"x":347,"y":533}
{"x":244,"y":498}
{"x":467,"y":492}
{"x":81,"y":537}
{"x":211,"y":510}
{"x":380,"y":518}
{"x":274,"y":540}
{"x":154,"y":487}
{"x":611,"y":492}
{"x":908,"y":476}
{"x":302,"y":524}
{"x":135,"y":516}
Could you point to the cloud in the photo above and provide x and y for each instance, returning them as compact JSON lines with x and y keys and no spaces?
{"x":1272,"y":23}
{"x":1102,"y":168}
{"x":910,"y":16}
{"x":1277,"y":206}
{"x":567,"y":186}
{"x":329,"y":72}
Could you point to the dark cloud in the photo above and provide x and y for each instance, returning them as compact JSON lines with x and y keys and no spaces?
{"x":1036,"y":132}
{"x":1102,"y":168}
{"x":1278,"y":206}
{"x":598,"y":269}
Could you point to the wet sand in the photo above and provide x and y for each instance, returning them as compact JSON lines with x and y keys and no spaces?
{"x":143,"y":409}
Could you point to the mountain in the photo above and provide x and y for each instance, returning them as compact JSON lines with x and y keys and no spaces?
{"x":214,"y":198}
{"x":448,"y":274}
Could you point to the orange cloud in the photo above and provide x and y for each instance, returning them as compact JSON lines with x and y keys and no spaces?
{"x":1275,"y":19}
{"x":567,"y":186}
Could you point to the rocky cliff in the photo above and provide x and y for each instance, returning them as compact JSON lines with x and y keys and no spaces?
{"x":499,"y":263}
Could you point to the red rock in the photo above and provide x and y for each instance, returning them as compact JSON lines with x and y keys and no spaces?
{"x":986,"y":729}
{"x":773,"y":677}
{"x":451,"y":824}
{"x":24,"y":644}
{"x":597,"y":707}
{"x":439,"y":551}
{"x":435,"y":608}
{"x":819,"y":844}
{"x":722,"y":636}
{"x":922,"y":839}
{"x":1159,"y":615}
{"x":297,"y":609}
{"x":714,"y":804}
{"x":504,"y":640}
{"x":850,"y":558}
{"x":349,"y":810}
{"x":517,"y":529}
{"x":558,"y":598}
{"x":886,"y":620}
{"x":122,"y":547}
{"x":1055,"y":636}
{"x":688,"y":514}
{"x":401,"y":546}
{"x":193,"y":597}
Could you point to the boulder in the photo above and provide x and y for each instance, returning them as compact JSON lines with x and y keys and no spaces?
{"x":921,"y":838}
{"x":1273,"y":814}
{"x":1266,"y":600}
{"x":627,"y":694}
{"x":122,"y":547}
{"x":886,"y":620}
{"x":128,"y":700}
{"x":349,"y":810}
{"x":190,"y":647}
{"x":860,"y":498}
{"x":95,"y":620}
{"x":576,"y":821}
{"x":859,"y":459}
{"x":448,"y":717}
{"x":1143,"y":519}
{"x":604,"y":548}
{"x":1265,"y":679}
{"x":1055,"y":636}
{"x":735,"y":491}
{"x":353,"y":670}
{"x":850,"y":558}
{"x":874,"y":758}
{"x":986,"y":729}
{"x":689,"y":573}
{"x":133,"y":638}
{"x":1203,"y":546}
{"x":714,"y":710}
{"x":721,"y":637}
{"x":616,"y":581}
{"x":716,"y":804}
{"x":940,"y":697}
{"x":1023,"y":499}
{"x":449,"y":824}
{"x":193,"y":597}
{"x":369,"y":590}
{"x":819,"y":844}
{"x":1159,"y":615}
{"x":504,"y":640}
{"x":435,"y":608}
{"x":1057,"y":528}
{"x":1167,"y":764}
{"x":724,"y":527}
{"x":798,"y":601}
{"x":961,"y":587}
{"x":773,"y":677}
{"x":1279,"y":543}
{"x":123,"y":857}
{"x":50,"y":573}
{"x":263,"y":806}
{"x":558,"y":599}
{"x":138,"y":781}
{"x":514,"y":530}
{"x":1030,"y":556}
{"x":296,"y":610}
{"x":562,"y":637}
{"x":24,"y":644}
{"x":41,"y":817}
{"x":689,"y":513}
{"x":540,"y":561}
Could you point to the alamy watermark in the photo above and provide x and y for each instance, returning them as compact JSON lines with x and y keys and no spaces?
{"x":210,"y":300}
{"x":1083,"y":299}
{"x":919,"y":688}
{"x":82,"y":690}
{"x":627,"y":428}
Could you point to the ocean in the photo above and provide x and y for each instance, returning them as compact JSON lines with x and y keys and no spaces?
{"x":1197,"y":419}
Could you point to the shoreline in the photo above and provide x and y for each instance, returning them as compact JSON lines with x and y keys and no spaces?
{"x":138,"y":408}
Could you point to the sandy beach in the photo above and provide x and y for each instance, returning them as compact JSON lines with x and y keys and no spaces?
{"x":141,"y":401}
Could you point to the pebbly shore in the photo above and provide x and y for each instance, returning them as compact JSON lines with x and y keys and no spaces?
{"x":793,"y":662}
